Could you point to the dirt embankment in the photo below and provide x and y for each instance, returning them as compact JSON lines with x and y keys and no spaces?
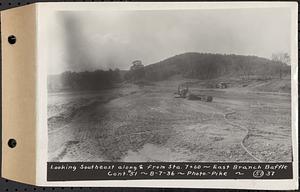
{"x":252,"y":84}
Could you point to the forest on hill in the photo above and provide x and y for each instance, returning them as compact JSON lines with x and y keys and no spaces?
{"x":210,"y":66}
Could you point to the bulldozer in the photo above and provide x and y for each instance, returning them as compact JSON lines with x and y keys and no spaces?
{"x":184,"y":92}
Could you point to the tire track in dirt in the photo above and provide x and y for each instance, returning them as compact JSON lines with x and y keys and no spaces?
{"x":138,"y":133}
{"x":241,"y":127}
{"x":58,"y":129}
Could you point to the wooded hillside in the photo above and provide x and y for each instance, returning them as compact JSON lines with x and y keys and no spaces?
{"x":209,"y":66}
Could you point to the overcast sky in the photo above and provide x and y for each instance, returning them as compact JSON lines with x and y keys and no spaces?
{"x":100,"y":40}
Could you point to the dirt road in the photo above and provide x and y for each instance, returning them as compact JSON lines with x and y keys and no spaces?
{"x":147,"y":123}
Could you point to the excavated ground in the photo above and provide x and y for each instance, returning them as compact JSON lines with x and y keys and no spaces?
{"x":147,"y":123}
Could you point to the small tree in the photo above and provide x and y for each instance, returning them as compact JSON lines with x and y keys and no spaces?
{"x":281,"y":58}
{"x":136,"y":71}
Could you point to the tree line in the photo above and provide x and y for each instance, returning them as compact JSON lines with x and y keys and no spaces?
{"x":87,"y":80}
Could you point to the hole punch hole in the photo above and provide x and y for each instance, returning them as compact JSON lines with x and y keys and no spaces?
{"x":12,"y":143}
{"x":12,"y":39}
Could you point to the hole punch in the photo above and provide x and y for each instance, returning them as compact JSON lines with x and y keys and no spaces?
{"x":12,"y":39}
{"x":12,"y":143}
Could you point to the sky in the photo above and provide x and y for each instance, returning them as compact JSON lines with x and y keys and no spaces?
{"x":81,"y":40}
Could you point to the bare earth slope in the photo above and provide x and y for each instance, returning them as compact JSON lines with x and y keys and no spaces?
{"x":147,"y":123}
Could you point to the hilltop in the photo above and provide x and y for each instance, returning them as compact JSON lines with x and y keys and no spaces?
{"x":211,"y":66}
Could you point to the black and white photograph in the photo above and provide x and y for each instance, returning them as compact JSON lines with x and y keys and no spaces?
{"x":209,"y":85}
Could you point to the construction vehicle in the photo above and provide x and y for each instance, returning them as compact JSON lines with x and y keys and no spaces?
{"x":221,"y":85}
{"x":184,"y":92}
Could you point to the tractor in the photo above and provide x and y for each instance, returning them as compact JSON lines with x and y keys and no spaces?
{"x":184,"y":92}
{"x":221,"y":85}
